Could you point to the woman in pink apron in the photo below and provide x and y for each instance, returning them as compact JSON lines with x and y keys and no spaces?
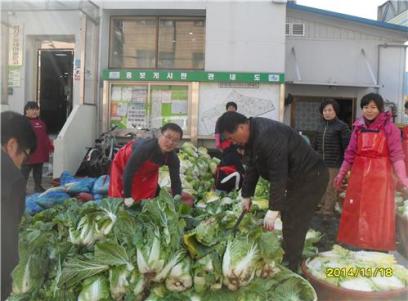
{"x":375,"y":150}
{"x":135,"y":168}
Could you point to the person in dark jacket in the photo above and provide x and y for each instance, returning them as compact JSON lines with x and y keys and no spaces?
{"x":332,"y":138}
{"x":231,"y":167}
{"x":17,"y":142}
{"x":297,"y":176}
{"x":220,"y":142}
{"x":231,"y":159}
{"x":135,"y":168}
{"x":44,"y":146}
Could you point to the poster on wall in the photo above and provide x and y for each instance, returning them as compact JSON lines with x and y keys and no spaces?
{"x":132,"y":108}
{"x":16,"y":45}
{"x":262,"y":101}
{"x":14,"y":76}
{"x":129,"y":106}
{"x":77,"y":69}
{"x":169,"y":104}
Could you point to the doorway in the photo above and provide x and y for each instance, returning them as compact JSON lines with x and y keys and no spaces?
{"x":305,"y":115}
{"x":54,"y":86}
{"x":346,"y":113}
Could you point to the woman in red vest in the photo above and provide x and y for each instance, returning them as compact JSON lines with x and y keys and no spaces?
{"x":135,"y":168}
{"x":368,"y":217}
{"x":44,"y":146}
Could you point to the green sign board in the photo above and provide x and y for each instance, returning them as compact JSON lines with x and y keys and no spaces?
{"x":192,"y":76}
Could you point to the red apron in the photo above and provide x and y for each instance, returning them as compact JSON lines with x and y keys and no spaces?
{"x":368,"y":217}
{"x":145,"y":180}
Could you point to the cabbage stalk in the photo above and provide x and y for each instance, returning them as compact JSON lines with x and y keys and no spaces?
{"x":153,"y":260}
{"x":239,"y":263}
{"x":94,"y":289}
{"x":95,"y":224}
{"x":137,"y":284}
{"x":180,"y":278}
{"x":207,"y":275}
{"x":118,"y":281}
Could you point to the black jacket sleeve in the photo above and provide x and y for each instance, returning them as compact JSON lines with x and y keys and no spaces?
{"x":315,"y":144}
{"x":275,"y":152}
{"x":174,"y":169}
{"x":217,"y":127}
{"x":250,"y":179}
{"x":139,"y":155}
{"x":345,"y":137}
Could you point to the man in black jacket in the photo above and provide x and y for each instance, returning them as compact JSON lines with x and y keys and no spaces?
{"x":18,"y":140}
{"x":297,"y":176}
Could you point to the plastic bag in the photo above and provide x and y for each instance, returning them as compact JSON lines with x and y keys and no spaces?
{"x":74,"y":185}
{"x":80,"y":185}
{"x":98,"y":196}
{"x":101,"y":185}
{"x":31,"y":206}
{"x":49,"y":199}
{"x":66,"y":177}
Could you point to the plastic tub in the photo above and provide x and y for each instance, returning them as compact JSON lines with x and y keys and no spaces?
{"x":329,"y":292}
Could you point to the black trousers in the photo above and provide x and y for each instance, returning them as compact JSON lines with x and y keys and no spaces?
{"x":302,"y":199}
{"x":37,"y":172}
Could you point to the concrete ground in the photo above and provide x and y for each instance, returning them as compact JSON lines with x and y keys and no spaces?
{"x":400,"y":259}
{"x":46,"y":180}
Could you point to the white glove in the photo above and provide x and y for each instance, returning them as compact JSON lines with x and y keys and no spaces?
{"x":246,"y":204}
{"x":270,"y":218}
{"x":129,"y":202}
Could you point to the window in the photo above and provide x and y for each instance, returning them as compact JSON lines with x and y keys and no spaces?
{"x":133,"y":42}
{"x":167,"y":59}
{"x":157,"y":42}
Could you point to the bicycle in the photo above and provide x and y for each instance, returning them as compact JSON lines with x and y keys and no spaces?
{"x":98,"y":158}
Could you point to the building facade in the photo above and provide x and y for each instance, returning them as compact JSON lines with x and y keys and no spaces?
{"x":332,"y":55}
{"x":94,"y":65}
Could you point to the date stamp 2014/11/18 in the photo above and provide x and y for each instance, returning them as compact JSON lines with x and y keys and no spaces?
{"x":359,"y":272}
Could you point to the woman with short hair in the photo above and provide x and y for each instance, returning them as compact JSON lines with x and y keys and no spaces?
{"x":331,"y":141}
{"x":373,"y":154}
